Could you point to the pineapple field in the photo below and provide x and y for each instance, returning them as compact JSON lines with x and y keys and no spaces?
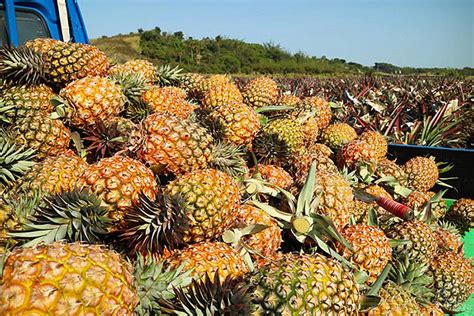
{"x":135,"y":189}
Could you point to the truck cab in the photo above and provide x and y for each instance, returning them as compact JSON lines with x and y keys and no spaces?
{"x":24,"y":20}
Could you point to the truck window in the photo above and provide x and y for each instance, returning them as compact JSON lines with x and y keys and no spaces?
{"x":30,"y":25}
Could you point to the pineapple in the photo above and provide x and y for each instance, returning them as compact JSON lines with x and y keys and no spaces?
{"x":422,"y":240}
{"x":47,"y":136}
{"x":419,"y":200}
{"x":67,"y":279}
{"x":355,"y":153}
{"x":335,"y":197}
{"x":91,"y":99}
{"x":140,"y":66}
{"x":260,"y":91}
{"x":305,"y":285}
{"x":288,"y":131}
{"x":275,"y":175}
{"x":372,"y":249}
{"x":209,"y":258}
{"x":42,"y":45}
{"x":422,"y":173}
{"x":212,"y":200}
{"x":191,"y":82}
{"x":462,"y":214}
{"x":214,"y":80}
{"x":453,"y":279}
{"x":173,"y":145}
{"x":54,"y":175}
{"x":396,"y":301}
{"x":448,"y":238}
{"x":318,"y":107}
{"x":388,"y":168}
{"x":221,"y":95}
{"x":240,"y":123}
{"x":17,"y":102}
{"x":377,"y":141}
{"x":170,"y":100}
{"x":266,"y":242}
{"x":118,"y":181}
{"x":338,"y":134}
{"x":60,"y":64}
{"x":288,"y":99}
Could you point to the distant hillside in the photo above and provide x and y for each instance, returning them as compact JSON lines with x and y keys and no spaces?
{"x":223,"y":55}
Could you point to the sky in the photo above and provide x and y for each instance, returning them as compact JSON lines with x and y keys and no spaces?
{"x":417,"y":33}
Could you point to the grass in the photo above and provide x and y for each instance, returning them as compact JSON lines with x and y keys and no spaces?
{"x":120,"y":48}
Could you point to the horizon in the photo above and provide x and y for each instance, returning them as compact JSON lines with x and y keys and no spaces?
{"x":424,"y":34}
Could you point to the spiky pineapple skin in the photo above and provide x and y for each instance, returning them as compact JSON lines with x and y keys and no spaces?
{"x":362,"y":208}
{"x":422,"y":246}
{"x":93,"y":99}
{"x":336,"y":197}
{"x":67,"y":279}
{"x":453,"y":279}
{"x":418,"y":200}
{"x":462,"y":214}
{"x":25,"y":100}
{"x":240,"y":122}
{"x":354,"y":153}
{"x":118,"y":181}
{"x":209,"y":258}
{"x":422,"y":173}
{"x":301,"y":161}
{"x":338,"y":134}
{"x":376,"y":141}
{"x":389,"y":168}
{"x":275,"y":175}
{"x":212,"y":198}
{"x":448,"y":240}
{"x":176,"y":146}
{"x":47,"y":136}
{"x":288,"y":99}
{"x":265,"y":242}
{"x":260,"y":91}
{"x":42,"y":45}
{"x":55,"y":175}
{"x":305,"y":285}
{"x":191,"y":82}
{"x":66,"y":62}
{"x":221,"y":95}
{"x":372,"y":249}
{"x":210,"y":82}
{"x":170,"y":100}
{"x":319,"y":107}
{"x":136,"y":66}
{"x":288,"y":131}
{"x":395,"y":301}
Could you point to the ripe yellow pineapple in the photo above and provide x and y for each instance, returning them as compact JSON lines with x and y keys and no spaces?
{"x":305,"y":285}
{"x":240,"y":122}
{"x":335,"y":197}
{"x":42,"y":45}
{"x":67,"y":279}
{"x":418,"y":200}
{"x":389,"y":168}
{"x":288,"y":131}
{"x":118,"y":181}
{"x":173,"y":145}
{"x":288,"y":99}
{"x":191,"y":82}
{"x":354,"y":153}
{"x":212,"y":200}
{"x":318,"y":107}
{"x":47,"y":136}
{"x":275,"y":175}
{"x":453,"y":279}
{"x":92,"y":99}
{"x":17,"y":102}
{"x":448,"y":238}
{"x":377,"y":141}
{"x":265,"y":242}
{"x":372,"y":249}
{"x":170,"y":100}
{"x":209,"y":258}
{"x":260,"y":91}
{"x":396,"y":301}
{"x":136,"y":66}
{"x":214,"y":80}
{"x":338,"y":134}
{"x":422,"y":173}
{"x":55,"y":174}
{"x":221,"y":95}
{"x":462,"y":214}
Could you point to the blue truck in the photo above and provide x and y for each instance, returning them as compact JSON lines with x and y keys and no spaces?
{"x":23,"y":20}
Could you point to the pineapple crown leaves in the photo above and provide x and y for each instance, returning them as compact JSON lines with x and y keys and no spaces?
{"x":273,"y":108}
{"x":370,"y":299}
{"x":229,"y":158}
{"x":137,"y":111}
{"x":15,"y":161}
{"x":168,"y":76}
{"x":154,"y":225}
{"x":133,"y":85}
{"x":414,"y":277}
{"x":21,"y":65}
{"x":425,"y":213}
{"x":211,"y":296}
{"x":155,"y":283}
{"x":214,"y":126}
{"x":270,"y":148}
{"x":22,"y":204}
{"x":74,"y":216}
{"x":105,"y":139}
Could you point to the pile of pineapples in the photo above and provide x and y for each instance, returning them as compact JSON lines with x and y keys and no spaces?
{"x":131,"y":189}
